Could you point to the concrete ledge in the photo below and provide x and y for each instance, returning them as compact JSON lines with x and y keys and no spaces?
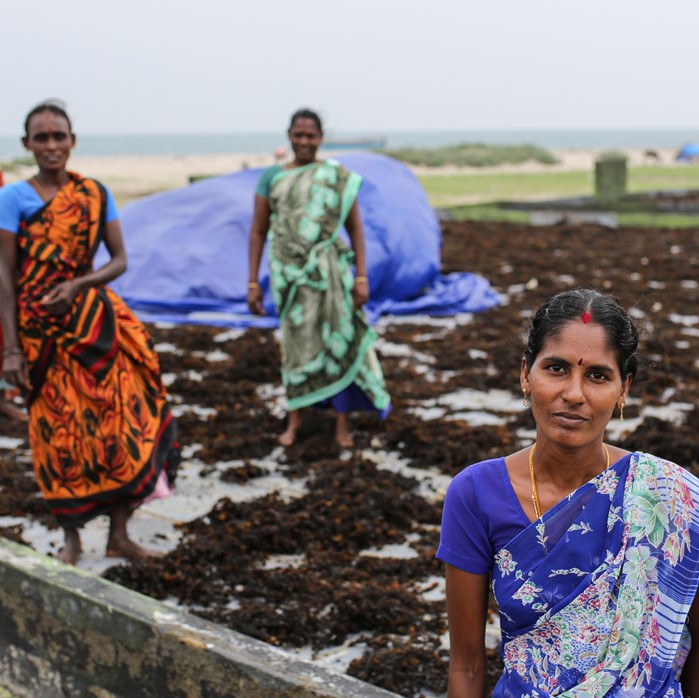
{"x":64,"y":632}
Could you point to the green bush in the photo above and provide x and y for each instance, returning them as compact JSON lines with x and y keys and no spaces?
{"x":472,"y":155}
{"x":17,"y":163}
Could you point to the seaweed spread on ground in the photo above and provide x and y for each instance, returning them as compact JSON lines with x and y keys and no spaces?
{"x":304,"y":571}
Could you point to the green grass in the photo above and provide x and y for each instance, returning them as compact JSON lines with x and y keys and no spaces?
{"x":452,"y":189}
{"x":448,"y":190}
{"x":491,"y":212}
{"x":16,"y":163}
{"x":472,"y":155}
{"x":653,"y":220}
{"x":659,"y":178}
{"x":487,"y":212}
{"x":475,"y":196}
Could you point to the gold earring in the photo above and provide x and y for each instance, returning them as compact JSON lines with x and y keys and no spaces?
{"x":525,"y":397}
{"x":621,"y":411}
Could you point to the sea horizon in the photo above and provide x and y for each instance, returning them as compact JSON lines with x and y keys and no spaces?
{"x":249,"y":143}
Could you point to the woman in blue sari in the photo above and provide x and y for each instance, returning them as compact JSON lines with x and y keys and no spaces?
{"x":592,"y":551}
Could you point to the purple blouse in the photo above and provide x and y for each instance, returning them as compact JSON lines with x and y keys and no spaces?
{"x":481,"y":515}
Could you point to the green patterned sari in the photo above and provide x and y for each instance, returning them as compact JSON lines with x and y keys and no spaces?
{"x":326,"y":343}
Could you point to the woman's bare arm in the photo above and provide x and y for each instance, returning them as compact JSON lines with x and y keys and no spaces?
{"x":258,"y":235}
{"x":467,"y":607}
{"x":355,"y":230}
{"x":14,"y":364}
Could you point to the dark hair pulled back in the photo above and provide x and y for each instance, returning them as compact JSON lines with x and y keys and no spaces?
{"x":306,"y":114}
{"x":55,"y":106}
{"x":603,"y":310}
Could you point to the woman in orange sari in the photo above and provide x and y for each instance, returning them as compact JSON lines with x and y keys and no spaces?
{"x":100,"y":429}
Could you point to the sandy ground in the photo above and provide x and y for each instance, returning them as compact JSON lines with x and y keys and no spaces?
{"x":132,"y":176}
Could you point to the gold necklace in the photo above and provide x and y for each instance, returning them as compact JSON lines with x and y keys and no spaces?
{"x":39,"y":188}
{"x":535,"y":493}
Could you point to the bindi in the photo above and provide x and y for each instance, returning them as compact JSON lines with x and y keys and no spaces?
{"x":580,"y":361}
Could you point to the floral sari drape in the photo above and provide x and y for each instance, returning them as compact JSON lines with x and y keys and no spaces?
{"x":326,"y":344}
{"x":100,"y":428}
{"x":594,"y":595}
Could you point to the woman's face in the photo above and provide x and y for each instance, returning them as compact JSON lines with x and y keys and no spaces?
{"x":50,"y":140}
{"x":305,"y":140}
{"x":574,"y":385}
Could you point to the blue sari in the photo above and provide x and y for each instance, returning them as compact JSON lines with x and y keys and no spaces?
{"x":594,"y":595}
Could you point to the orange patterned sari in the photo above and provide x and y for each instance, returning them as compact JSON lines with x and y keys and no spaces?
{"x":100,"y":427}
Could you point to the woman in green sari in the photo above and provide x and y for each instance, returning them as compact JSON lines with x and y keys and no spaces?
{"x":327,"y":347}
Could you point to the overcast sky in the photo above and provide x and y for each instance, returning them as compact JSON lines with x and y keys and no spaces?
{"x":207,"y":66}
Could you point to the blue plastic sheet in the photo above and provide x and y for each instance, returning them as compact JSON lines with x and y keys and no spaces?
{"x":188,"y":251}
{"x":689,"y":152}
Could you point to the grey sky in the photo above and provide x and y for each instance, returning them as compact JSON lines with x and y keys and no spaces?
{"x":147,"y":66}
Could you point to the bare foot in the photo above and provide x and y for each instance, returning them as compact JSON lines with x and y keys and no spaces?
{"x":344,"y":440}
{"x":70,"y":552}
{"x":130,"y":550}
{"x":342,"y":434}
{"x":12,"y":411}
{"x":288,"y":438}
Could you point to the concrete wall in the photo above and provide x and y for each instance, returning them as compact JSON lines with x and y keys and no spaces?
{"x":64,"y":632}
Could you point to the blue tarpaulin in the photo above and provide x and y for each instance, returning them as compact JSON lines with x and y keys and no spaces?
{"x":689,"y":152}
{"x":188,"y":251}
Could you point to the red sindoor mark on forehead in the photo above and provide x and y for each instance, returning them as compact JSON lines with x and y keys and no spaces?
{"x":585,"y":319}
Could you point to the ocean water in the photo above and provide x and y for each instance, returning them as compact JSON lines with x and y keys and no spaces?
{"x":189,"y":144}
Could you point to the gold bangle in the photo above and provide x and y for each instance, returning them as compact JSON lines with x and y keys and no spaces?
{"x":253,"y":284}
{"x":363,"y":279}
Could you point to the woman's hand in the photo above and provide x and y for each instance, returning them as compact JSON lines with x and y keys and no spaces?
{"x":255,"y":300}
{"x":14,"y":368}
{"x":59,"y":300}
{"x":360,"y":291}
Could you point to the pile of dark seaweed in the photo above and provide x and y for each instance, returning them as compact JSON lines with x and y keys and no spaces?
{"x":331,"y":592}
